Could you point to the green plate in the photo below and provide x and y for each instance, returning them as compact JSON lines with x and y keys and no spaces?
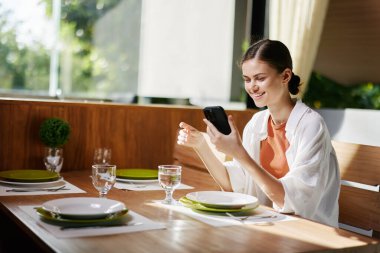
{"x":197,"y":206}
{"x":54,"y":219}
{"x":137,"y":174}
{"x":28,"y":176}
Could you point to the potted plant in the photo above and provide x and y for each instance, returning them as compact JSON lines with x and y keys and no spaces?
{"x":54,"y":133}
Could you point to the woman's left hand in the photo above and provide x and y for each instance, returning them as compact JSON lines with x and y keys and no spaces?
{"x":231,"y":144}
{"x":190,"y":136}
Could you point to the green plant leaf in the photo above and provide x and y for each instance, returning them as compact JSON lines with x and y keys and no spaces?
{"x":54,"y":132}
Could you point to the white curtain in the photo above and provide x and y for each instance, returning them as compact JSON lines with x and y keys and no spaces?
{"x":298,"y":24}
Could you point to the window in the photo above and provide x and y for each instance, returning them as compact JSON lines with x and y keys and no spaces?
{"x":117,"y":49}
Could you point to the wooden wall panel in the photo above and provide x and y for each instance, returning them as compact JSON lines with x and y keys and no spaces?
{"x":187,"y":157}
{"x":140,"y":136}
{"x":349,"y":46}
{"x":359,"y":208}
{"x":358,"y":163}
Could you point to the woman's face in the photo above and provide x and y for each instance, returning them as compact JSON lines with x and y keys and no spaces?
{"x":264,"y":84}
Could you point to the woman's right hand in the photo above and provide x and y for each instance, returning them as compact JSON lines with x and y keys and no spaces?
{"x":230,"y":144}
{"x":189,"y":136}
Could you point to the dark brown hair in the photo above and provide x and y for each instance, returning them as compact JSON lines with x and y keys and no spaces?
{"x":277,"y":55}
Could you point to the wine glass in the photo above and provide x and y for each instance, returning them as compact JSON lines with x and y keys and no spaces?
{"x":103,"y":178}
{"x":169,"y":177}
{"x":53,"y":159}
{"x":102,"y":156}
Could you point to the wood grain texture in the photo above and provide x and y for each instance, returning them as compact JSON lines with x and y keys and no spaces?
{"x":183,"y":234}
{"x":359,"y":208}
{"x":139,"y":136}
{"x":350,"y":32}
{"x":188,"y":157}
{"x":359,"y":163}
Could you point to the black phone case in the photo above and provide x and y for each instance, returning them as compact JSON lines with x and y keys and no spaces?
{"x":218,"y":117}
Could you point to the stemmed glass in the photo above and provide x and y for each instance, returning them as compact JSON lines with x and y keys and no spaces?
{"x":102,"y":156}
{"x":103,"y":178}
{"x":53,"y":159}
{"x":169,"y":177}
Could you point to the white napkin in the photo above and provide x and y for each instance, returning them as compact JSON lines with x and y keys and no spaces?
{"x":221,"y":219}
{"x":71,"y":189}
{"x":137,"y":221}
{"x":146,"y":186}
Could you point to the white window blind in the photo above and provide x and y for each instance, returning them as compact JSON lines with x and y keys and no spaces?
{"x":186,"y":49}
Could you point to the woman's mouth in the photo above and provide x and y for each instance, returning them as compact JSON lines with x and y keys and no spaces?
{"x":257,"y":95}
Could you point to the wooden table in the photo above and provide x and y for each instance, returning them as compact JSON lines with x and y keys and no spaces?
{"x":183,"y":234}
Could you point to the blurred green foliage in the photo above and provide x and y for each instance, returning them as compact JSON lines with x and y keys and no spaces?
{"x":19,"y":63}
{"x":323,"y":92}
{"x":26,"y":66}
{"x":78,"y":18}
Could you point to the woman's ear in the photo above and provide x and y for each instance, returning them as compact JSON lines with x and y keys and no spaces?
{"x":286,"y":75}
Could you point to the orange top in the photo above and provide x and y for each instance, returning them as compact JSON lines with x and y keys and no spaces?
{"x":273,"y":148}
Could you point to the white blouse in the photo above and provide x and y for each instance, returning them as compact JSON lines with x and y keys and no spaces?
{"x":312,"y":184}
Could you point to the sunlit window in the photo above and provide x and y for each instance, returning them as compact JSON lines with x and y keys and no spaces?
{"x":119,"y":49}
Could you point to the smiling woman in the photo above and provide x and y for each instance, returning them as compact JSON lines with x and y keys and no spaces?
{"x":285,"y":157}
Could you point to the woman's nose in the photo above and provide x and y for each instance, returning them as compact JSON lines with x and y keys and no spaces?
{"x":253,"y":87}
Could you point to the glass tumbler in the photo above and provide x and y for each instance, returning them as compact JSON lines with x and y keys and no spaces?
{"x":103,"y":178}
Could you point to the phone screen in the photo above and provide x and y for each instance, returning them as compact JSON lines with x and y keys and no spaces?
{"x":218,"y":117}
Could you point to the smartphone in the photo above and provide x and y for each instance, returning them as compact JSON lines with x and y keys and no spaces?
{"x":218,"y":117}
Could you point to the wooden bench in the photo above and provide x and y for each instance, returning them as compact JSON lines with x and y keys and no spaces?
{"x":139,"y":135}
{"x":359,"y":200}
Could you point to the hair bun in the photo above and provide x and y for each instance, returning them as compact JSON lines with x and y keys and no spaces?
{"x":294,"y":83}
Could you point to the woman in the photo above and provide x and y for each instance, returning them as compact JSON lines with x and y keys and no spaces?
{"x":285,"y":157}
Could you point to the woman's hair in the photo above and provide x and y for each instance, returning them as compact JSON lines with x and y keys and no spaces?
{"x":277,"y":55}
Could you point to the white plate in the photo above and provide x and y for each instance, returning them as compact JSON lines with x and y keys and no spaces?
{"x":83,"y":207}
{"x":58,"y":182}
{"x":137,"y":181}
{"x":219,"y":199}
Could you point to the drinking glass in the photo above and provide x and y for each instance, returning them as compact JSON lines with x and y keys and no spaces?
{"x":103,"y":178}
{"x":53,"y":159}
{"x":169,"y":177}
{"x":102,"y":156}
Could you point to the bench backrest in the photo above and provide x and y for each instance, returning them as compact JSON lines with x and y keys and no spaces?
{"x":359,"y":200}
{"x":139,"y":135}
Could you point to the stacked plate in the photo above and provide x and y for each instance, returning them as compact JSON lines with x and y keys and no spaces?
{"x":82,"y":211}
{"x":34,"y":178}
{"x":218,"y":201}
{"x":137,"y":175}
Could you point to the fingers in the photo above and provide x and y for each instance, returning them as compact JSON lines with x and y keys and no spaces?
{"x":211,"y":129}
{"x":182,"y":134}
{"x":187,"y":126}
{"x":181,"y":139}
{"x":185,"y":133}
